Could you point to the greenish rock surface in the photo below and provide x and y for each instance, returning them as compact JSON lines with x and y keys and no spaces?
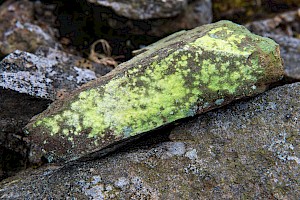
{"x":183,"y":75}
{"x":247,"y":150}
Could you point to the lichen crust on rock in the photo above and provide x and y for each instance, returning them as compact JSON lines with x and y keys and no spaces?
{"x":180,"y":76}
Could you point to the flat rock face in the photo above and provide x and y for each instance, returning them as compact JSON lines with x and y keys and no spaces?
{"x":246,"y":150}
{"x":185,"y":74}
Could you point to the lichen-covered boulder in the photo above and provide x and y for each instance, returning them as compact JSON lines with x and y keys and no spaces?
{"x":183,"y":75}
{"x":247,"y":150}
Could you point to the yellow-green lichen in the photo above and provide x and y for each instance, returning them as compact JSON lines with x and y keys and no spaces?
{"x":166,"y":88}
{"x":127,"y":109}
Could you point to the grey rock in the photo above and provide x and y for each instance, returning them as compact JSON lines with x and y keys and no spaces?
{"x":247,"y":150}
{"x":41,"y":76}
{"x":142,"y":10}
{"x":281,"y":24}
{"x":187,"y":16}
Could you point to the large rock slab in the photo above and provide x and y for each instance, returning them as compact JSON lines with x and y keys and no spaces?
{"x":185,"y":74}
{"x":247,"y":150}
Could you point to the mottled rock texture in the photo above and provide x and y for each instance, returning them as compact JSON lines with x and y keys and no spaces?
{"x":185,"y":74}
{"x":28,"y":84}
{"x":284,"y":28}
{"x":148,"y":9}
{"x":290,"y":52}
{"x":247,"y":150}
{"x":20,"y":30}
{"x":46,"y":74}
{"x":148,"y":19}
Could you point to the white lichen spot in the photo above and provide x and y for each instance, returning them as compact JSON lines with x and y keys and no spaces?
{"x":121,"y":183}
{"x":192,"y":154}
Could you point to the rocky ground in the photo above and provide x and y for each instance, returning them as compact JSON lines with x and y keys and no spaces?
{"x":248,"y":149}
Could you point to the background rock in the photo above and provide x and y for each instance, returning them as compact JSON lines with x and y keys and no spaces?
{"x":19,"y":30}
{"x":191,"y":15}
{"x":290,"y":52}
{"x":142,"y":10}
{"x":251,"y":10}
{"x":247,"y":150}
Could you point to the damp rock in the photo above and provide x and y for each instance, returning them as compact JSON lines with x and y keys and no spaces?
{"x":183,"y":75}
{"x":244,"y":150}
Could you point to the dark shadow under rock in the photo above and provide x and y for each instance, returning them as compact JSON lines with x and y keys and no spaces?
{"x":17,"y":109}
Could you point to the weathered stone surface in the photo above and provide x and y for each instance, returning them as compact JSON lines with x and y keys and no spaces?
{"x":290,"y":52}
{"x":248,"y":150}
{"x":187,"y":73}
{"x":282,"y":24}
{"x":251,"y":10}
{"x":142,"y":10}
{"x":42,"y":76}
{"x":283,"y":28}
{"x":19,"y":30}
{"x":28,"y":84}
{"x":194,"y":14}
